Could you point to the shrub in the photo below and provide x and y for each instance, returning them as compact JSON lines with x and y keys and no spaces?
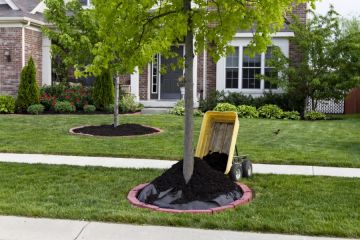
{"x":89,"y":108}
{"x":293,"y":115}
{"x":238,"y":99}
{"x":270,"y":111}
{"x":225,"y":107}
{"x":109,"y":108}
{"x":103,"y":91}
{"x":36,"y":109}
{"x":179,"y":109}
{"x":127,"y":104}
{"x":64,"y":107}
{"x":79,"y":96}
{"x":7,"y":104}
{"x":211,"y":101}
{"x":28,"y":93}
{"x":245,"y":111}
{"x":315,"y":116}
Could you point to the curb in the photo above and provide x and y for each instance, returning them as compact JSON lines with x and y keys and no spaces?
{"x":246,"y":198}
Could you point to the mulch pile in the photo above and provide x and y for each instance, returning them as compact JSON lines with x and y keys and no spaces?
{"x":205,"y":185}
{"x":217,"y":161}
{"x":121,"y":130}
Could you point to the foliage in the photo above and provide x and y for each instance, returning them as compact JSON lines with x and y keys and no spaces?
{"x":7,"y":104}
{"x":315,"y":116}
{"x":245,"y":111}
{"x":127,"y":104}
{"x":77,"y":95}
{"x":64,"y":107}
{"x":239,"y":99}
{"x":89,"y":108}
{"x":179,"y":109}
{"x":211,"y":101}
{"x":36,"y":109}
{"x":270,"y":112}
{"x":103,"y":90}
{"x":225,"y":107}
{"x":109,"y":108}
{"x":28,"y":93}
{"x":330,"y":62}
{"x":293,"y":115}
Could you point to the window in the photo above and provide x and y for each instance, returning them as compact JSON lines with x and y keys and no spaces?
{"x":232,"y":69}
{"x":85,"y":2}
{"x":251,"y":68}
{"x":155,"y":74}
{"x":269,"y":71}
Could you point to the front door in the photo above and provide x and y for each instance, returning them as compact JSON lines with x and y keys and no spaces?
{"x":168,"y":81}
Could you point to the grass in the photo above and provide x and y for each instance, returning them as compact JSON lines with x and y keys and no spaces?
{"x":283,"y":204}
{"x":328,"y":143}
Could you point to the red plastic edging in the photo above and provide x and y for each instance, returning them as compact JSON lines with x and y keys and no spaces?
{"x":246,"y":198}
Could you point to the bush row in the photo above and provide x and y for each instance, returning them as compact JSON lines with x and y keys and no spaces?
{"x":287,"y":102}
{"x":268,"y":111}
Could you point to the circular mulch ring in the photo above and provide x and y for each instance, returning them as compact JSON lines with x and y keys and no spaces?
{"x":246,"y":198}
{"x":123,"y":130}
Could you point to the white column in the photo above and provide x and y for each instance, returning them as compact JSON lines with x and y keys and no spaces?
{"x":46,"y":61}
{"x":134,"y":82}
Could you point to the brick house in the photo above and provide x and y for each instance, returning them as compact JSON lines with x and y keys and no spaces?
{"x":21,"y":38}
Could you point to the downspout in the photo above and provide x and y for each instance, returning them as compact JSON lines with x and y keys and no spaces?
{"x":23,"y":43}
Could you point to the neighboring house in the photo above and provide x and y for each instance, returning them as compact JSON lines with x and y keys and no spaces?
{"x":20,"y":39}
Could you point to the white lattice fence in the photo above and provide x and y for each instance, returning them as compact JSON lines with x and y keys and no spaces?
{"x":328,"y":106}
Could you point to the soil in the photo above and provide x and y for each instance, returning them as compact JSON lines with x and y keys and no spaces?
{"x":205,"y":184}
{"x":121,"y":130}
{"x":217,"y":161}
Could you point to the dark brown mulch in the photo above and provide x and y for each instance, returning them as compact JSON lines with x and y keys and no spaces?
{"x":217,"y":161}
{"x":205,"y":184}
{"x":121,"y":130}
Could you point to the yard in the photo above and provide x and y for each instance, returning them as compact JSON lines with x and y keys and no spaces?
{"x":327,"y":143}
{"x":283,"y":204}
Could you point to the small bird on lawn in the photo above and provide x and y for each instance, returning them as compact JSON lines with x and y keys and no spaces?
{"x":277,"y":132}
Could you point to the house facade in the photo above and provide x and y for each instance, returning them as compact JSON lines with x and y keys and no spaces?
{"x":21,"y":37}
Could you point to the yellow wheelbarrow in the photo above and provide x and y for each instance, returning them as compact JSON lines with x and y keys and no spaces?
{"x":218,"y":134}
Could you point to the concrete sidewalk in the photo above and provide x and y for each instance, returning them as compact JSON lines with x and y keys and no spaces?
{"x":20,"y":228}
{"x":164,"y":164}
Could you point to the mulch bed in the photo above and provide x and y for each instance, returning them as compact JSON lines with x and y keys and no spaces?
{"x":121,"y":130}
{"x":217,"y":161}
{"x":206,"y":183}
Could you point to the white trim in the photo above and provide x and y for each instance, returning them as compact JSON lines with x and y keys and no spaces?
{"x":39,"y":8}
{"x":134,"y":84}
{"x":46,"y":62}
{"x":159,"y":77}
{"x":22,"y":20}
{"x":11,"y":25}
{"x":149,"y":81}
{"x":278,"y":34}
{"x":12,"y":4}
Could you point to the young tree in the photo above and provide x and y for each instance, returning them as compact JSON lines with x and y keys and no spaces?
{"x":330,"y":64}
{"x":151,"y":26}
{"x":28,"y":93}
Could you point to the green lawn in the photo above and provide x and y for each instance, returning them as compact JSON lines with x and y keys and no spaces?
{"x":331,"y":143}
{"x":283,"y":204}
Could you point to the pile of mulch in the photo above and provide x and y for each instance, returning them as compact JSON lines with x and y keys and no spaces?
{"x":121,"y":130}
{"x":217,"y":161}
{"x":206,"y":189}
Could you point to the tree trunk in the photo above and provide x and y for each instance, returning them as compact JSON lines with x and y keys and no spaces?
{"x":188,"y":166}
{"x":116,"y":102}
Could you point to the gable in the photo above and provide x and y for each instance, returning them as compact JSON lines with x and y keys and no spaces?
{"x":10,"y":3}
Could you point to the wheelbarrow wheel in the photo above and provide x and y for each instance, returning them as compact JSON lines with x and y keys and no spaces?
{"x":247,"y":168}
{"x":236,"y":172}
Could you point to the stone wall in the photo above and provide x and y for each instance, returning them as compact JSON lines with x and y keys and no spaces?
{"x":10,"y":40}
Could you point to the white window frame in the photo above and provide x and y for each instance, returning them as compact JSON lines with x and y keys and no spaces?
{"x":242,"y":69}
{"x":241,"y":42}
{"x":238,"y":67}
{"x":158,"y":74}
